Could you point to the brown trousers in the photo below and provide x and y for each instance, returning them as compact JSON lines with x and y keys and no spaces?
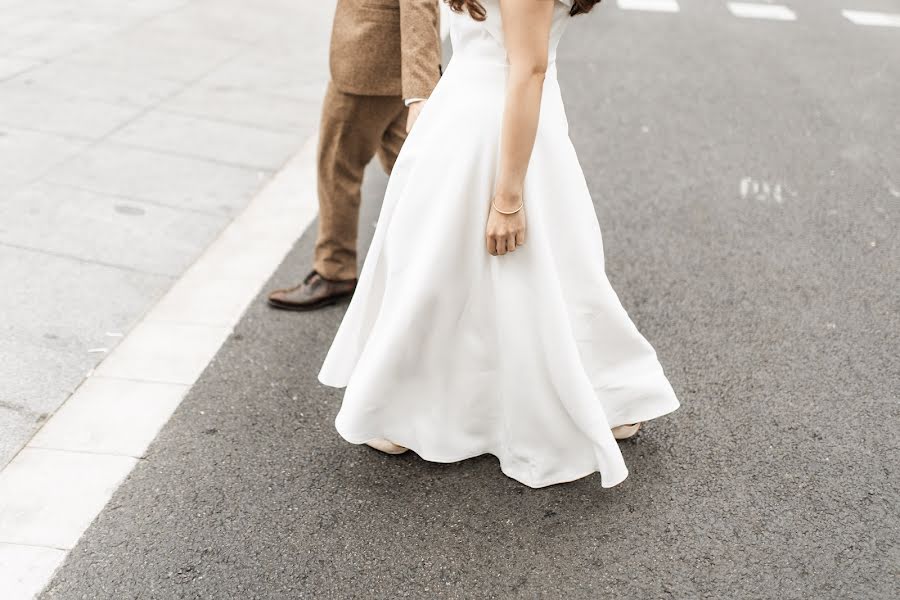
{"x":354,"y":129}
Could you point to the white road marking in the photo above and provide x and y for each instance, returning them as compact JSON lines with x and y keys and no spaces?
{"x":669,"y":6}
{"x":763,"y":191}
{"x":753,"y":10}
{"x":774,"y":12}
{"x":861,"y":17}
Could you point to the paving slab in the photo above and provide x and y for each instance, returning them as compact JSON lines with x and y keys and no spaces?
{"x":39,"y":373}
{"x":89,"y":10}
{"x":107,"y":229}
{"x":278,"y":113}
{"x":110,"y":416}
{"x":19,"y":32}
{"x":215,"y":140}
{"x":227,"y":20}
{"x":74,"y":117}
{"x":204,"y":297}
{"x":255,"y":71}
{"x":86,"y":82}
{"x":165,"y":352}
{"x":13,"y":66}
{"x":27,"y":155}
{"x":33,"y":510}
{"x":178,"y":181}
{"x":159,"y":53}
{"x":30,"y":306}
{"x":17,"y":425}
{"x":62,"y":37}
{"x":25,"y":569}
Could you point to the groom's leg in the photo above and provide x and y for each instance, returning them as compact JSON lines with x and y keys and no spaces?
{"x":351,"y":133}
{"x":392,"y":140}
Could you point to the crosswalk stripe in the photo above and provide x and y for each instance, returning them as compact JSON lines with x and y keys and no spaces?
{"x":775,"y":12}
{"x":670,"y":6}
{"x":861,"y":17}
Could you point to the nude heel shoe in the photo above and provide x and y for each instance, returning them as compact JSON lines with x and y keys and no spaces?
{"x":386,"y":446}
{"x":623,"y":432}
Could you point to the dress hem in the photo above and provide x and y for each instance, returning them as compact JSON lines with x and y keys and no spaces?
{"x":427,"y":456}
{"x":359,"y":438}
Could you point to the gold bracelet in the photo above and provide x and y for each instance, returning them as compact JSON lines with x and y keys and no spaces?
{"x":503,"y":212}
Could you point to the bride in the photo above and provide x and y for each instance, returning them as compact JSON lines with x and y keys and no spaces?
{"x":483,"y":321}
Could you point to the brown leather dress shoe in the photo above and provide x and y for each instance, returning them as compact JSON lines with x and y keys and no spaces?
{"x":315,"y":292}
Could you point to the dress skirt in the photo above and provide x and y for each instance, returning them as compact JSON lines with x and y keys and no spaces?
{"x":455,"y":353}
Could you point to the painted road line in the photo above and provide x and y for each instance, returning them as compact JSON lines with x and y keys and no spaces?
{"x":773,"y":12}
{"x":669,"y":6}
{"x":876,"y":19}
{"x":55,"y":487}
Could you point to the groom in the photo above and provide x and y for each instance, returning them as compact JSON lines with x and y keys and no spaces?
{"x":385,"y":61}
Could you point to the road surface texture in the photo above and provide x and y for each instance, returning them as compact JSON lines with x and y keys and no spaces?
{"x":746,"y":174}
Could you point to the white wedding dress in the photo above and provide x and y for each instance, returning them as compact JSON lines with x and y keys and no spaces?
{"x":455,"y":353}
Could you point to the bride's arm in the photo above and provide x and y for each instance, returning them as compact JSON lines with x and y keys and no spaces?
{"x":526,"y":30}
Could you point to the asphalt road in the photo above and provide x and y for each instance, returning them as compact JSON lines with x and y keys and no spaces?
{"x":747,"y":179}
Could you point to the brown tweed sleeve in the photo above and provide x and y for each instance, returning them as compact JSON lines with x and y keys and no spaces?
{"x":420,"y":47}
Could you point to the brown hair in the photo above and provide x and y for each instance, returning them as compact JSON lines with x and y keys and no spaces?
{"x":477,"y":12}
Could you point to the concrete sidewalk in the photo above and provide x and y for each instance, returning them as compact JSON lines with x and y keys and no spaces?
{"x":131,"y":133}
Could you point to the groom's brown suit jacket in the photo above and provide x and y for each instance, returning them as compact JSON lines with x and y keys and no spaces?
{"x":386,"y":47}
{"x":382,"y":53}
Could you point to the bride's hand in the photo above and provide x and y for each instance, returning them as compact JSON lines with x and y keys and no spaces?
{"x":505,"y":233}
